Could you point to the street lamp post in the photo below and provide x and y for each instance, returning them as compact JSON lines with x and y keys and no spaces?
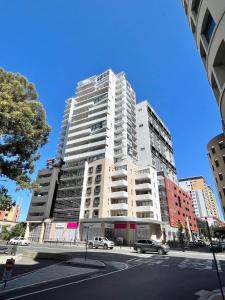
{"x":87,"y":227}
{"x":215,"y":261}
{"x":85,"y":256}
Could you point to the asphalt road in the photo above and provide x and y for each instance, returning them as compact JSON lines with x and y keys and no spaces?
{"x":145,"y":277}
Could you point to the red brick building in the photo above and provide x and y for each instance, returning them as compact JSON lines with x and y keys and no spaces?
{"x":179,"y":206}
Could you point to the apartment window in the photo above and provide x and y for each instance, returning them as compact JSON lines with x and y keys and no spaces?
{"x":96,"y":201}
{"x":208,"y":26}
{"x":224,"y":158}
{"x":44,"y":183}
{"x":140,"y":109}
{"x":97,"y":189}
{"x":88,"y":191}
{"x":221,"y":143}
{"x":195,"y":6}
{"x":87,"y":202}
{"x":86,"y":213}
{"x":224,"y":191}
{"x":179,"y":201}
{"x":213,"y":167}
{"x":39,"y":204}
{"x":215,"y":91}
{"x":142,"y":149}
{"x":95,"y":213}
{"x":141,"y":125}
{"x":220,"y":194}
{"x":178,"y":213}
{"x":220,"y":176}
{"x":90,"y":170}
{"x":219,"y":67}
{"x":97,"y":178}
{"x":89,"y":180}
{"x":98,"y":169}
{"x":217,"y":163}
{"x":40,"y":194}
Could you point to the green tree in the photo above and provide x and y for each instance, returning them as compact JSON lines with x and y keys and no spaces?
{"x":18,"y":230}
{"x":5,"y":233}
{"x":23,"y":127}
{"x":6,"y":201}
{"x":15,"y":231}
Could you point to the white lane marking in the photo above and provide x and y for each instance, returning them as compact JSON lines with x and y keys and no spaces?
{"x":129,"y":260}
{"x":218,"y":265}
{"x":70,"y":283}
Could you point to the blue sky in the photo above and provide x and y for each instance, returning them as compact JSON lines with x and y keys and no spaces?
{"x":56,"y":43}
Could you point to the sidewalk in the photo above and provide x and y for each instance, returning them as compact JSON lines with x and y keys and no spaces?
{"x":61,"y":270}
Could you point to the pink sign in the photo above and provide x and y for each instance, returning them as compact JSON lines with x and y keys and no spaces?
{"x":72,"y":225}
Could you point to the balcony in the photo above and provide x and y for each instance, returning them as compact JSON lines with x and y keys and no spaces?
{"x":143,"y":186}
{"x":119,"y":195}
{"x":143,"y":197}
{"x":81,"y":133}
{"x":143,"y":176}
{"x":119,"y":173}
{"x":119,"y":206}
{"x":89,"y":146}
{"x":147,"y":208}
{"x":119,"y":183}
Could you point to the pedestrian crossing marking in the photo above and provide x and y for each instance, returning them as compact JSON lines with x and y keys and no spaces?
{"x":187,"y":263}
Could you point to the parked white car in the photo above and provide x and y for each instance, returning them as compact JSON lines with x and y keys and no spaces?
{"x":100,"y":242}
{"x":19,"y":241}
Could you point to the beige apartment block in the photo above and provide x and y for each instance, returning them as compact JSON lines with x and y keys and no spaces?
{"x":203,"y":198}
{"x":216,"y":155}
{"x":207,"y":22}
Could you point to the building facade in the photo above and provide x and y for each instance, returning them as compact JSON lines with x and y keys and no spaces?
{"x":216,"y":155}
{"x":176,"y":207}
{"x":154,"y":141}
{"x":207,"y":22}
{"x":101,"y":186}
{"x":203,"y":198}
{"x":11,"y":215}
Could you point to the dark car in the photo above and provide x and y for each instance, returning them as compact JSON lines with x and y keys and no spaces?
{"x":142,"y":246}
{"x":216,"y":246}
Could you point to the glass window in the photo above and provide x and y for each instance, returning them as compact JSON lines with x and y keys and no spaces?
{"x":98,"y":169}
{"x":209,"y":26}
{"x":195,"y":6}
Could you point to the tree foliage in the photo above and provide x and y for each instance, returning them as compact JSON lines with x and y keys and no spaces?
{"x":15,"y":231}
{"x":6,"y":201}
{"x":23,"y":127}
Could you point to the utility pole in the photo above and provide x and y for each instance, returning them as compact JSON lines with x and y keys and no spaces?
{"x":215,"y":261}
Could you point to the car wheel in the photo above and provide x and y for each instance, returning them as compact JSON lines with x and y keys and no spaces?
{"x":139,"y":250}
{"x":111,"y":247}
{"x":105,"y":246}
{"x":160,"y":251}
{"x":90,"y":246}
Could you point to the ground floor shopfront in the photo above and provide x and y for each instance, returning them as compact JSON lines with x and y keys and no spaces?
{"x":121,"y":230}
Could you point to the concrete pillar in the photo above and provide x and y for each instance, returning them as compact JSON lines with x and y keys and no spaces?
{"x":128,"y":234}
{"x":42,"y":233}
{"x":102,"y":229}
{"x":27,"y":232}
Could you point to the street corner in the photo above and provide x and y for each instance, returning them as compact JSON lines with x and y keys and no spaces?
{"x":86,"y":263}
{"x":210,"y":295}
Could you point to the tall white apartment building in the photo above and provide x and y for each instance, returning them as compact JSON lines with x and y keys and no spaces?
{"x":101,"y":187}
{"x":154,"y":141}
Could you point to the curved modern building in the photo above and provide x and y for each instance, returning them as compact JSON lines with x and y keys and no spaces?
{"x":216,"y":154}
{"x":207,"y":22}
